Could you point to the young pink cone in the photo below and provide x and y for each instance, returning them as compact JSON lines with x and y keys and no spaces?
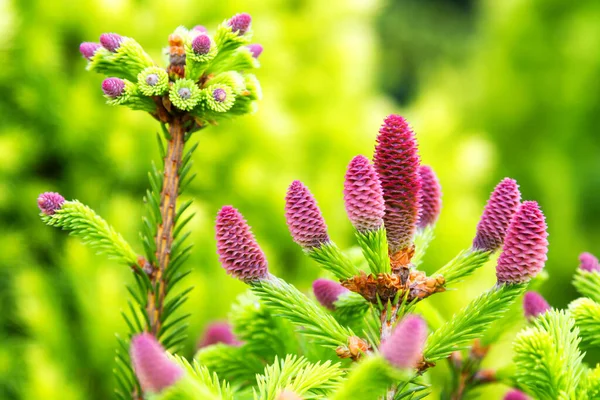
{"x":515,"y":395}
{"x":50,"y":202}
{"x":111,"y":41}
{"x":154,"y":369}
{"x":240,"y":23}
{"x":397,"y":161}
{"x":218,"y":332}
{"x":534,"y":304}
{"x":304,"y":218}
{"x":88,"y":49}
{"x":113,"y":87}
{"x":288,"y":395}
{"x":497,"y":214}
{"x":256,"y":49}
{"x":404,"y":348}
{"x":588,"y":262}
{"x":328,"y":292}
{"x":525,"y":245}
{"x":201,"y":44}
{"x":431,"y":197}
{"x":363,"y":195}
{"x":238,"y":250}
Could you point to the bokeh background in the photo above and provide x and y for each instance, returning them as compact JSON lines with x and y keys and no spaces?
{"x":492,"y":88}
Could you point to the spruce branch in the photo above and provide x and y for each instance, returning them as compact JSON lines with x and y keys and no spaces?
{"x":586,"y":314}
{"x":202,"y":375}
{"x":232,"y":363}
{"x":375,"y":249}
{"x":587,"y":283}
{"x":463,"y":265}
{"x":423,"y":237}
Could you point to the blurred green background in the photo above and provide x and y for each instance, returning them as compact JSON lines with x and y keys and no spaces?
{"x":492,"y":88}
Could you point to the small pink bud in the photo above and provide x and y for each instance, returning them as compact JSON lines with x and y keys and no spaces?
{"x":111,"y":41}
{"x":534,"y":304}
{"x":201,"y":44}
{"x":240,"y":23}
{"x":238,"y":251}
{"x":403,"y":349}
{"x":88,"y":49}
{"x":525,"y":245}
{"x":50,"y":202}
{"x":515,"y":395}
{"x":303,"y":217}
{"x":219,"y":95}
{"x":588,"y":262}
{"x":499,"y":210}
{"x":113,"y":87}
{"x":328,"y":292}
{"x":288,"y":395}
{"x":218,"y":332}
{"x":431,"y":197}
{"x":363,"y":195}
{"x":199,"y":28}
{"x":255,"y":49}
{"x":154,"y":369}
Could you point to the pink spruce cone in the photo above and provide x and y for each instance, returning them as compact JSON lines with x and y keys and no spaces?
{"x":397,"y":161}
{"x":431,"y":197}
{"x":50,"y":202}
{"x":113,"y":87}
{"x":200,"y":28}
{"x":403,"y":349}
{"x":328,"y":292}
{"x":154,"y":369}
{"x":499,"y":210}
{"x":588,"y":262}
{"x":534,"y":304}
{"x":88,"y":49}
{"x":256,"y":49}
{"x":218,"y":332}
{"x":111,"y":41}
{"x":238,"y":251}
{"x":288,"y":395}
{"x":363,"y":195}
{"x":515,"y":395}
{"x":240,"y":23}
{"x":303,"y":217}
{"x":201,"y":44}
{"x":525,"y":245}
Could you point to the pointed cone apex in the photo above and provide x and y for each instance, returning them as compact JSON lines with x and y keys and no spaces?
{"x":396,"y":162}
{"x":255,"y":49}
{"x":515,"y":395}
{"x":525,"y":246}
{"x":403,"y":349}
{"x":303,"y":217}
{"x":238,"y":251}
{"x":534,"y":304}
{"x":218,"y":332}
{"x":111,"y":41}
{"x":201,"y":44}
{"x":88,"y":49}
{"x":113,"y":87}
{"x":431,"y":197}
{"x":288,"y":395}
{"x":363,"y":195}
{"x":240,"y":23}
{"x":499,"y":210}
{"x":50,"y":202}
{"x":588,"y":262}
{"x":328,"y":292}
{"x":154,"y":369}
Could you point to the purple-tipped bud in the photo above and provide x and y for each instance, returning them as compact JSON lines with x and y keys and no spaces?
{"x":219,"y":95}
{"x":403,"y":349}
{"x":515,"y":395}
{"x":303,"y":217}
{"x":525,"y":245}
{"x":201,"y":44}
{"x":218,"y":332}
{"x":497,"y":214}
{"x":534,"y":304}
{"x":88,"y":49}
{"x":50,"y":202}
{"x":431,"y":197}
{"x":397,"y":161}
{"x":154,"y":369}
{"x":184,"y":93}
{"x":588,"y":262}
{"x":328,"y":292}
{"x":240,"y":23}
{"x":199,"y":28}
{"x":111,"y":41}
{"x":363,"y":195}
{"x":152,"y":79}
{"x":255,"y":49}
{"x":113,"y":87}
{"x":238,"y":251}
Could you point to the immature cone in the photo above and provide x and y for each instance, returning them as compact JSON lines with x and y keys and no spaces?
{"x":403,"y":349}
{"x":154,"y":369}
{"x":113,"y":87}
{"x":88,"y":49}
{"x":525,"y":245}
{"x":534,"y":304}
{"x":431,"y":197}
{"x":588,"y":262}
{"x":240,"y":23}
{"x":218,"y":332}
{"x":303,"y":217}
{"x":497,"y":214}
{"x":397,"y":161}
{"x":111,"y":41}
{"x":255,"y":49}
{"x":328,"y":292}
{"x":201,"y":44}
{"x":515,"y":395}
{"x":363,"y":195}
{"x":238,"y":251}
{"x":288,"y":395}
{"x":50,"y":202}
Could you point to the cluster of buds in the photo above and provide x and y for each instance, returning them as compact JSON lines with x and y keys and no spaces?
{"x":208,"y":77}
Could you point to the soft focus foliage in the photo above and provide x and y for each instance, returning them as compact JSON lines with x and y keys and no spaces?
{"x":492,"y":88}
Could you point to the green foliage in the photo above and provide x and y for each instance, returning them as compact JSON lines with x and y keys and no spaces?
{"x":333,"y":260}
{"x":547,"y":357}
{"x":589,"y":387}
{"x":463,"y":265}
{"x":309,"y":380}
{"x":366,"y":381}
{"x":203,"y":376}
{"x":586,"y":314}
{"x":375,"y":249}
{"x":587,"y":283}
{"x":471,"y":322}
{"x":422,"y":240}
{"x":126,"y":62}
{"x":232,"y":363}
{"x":350,"y":307}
